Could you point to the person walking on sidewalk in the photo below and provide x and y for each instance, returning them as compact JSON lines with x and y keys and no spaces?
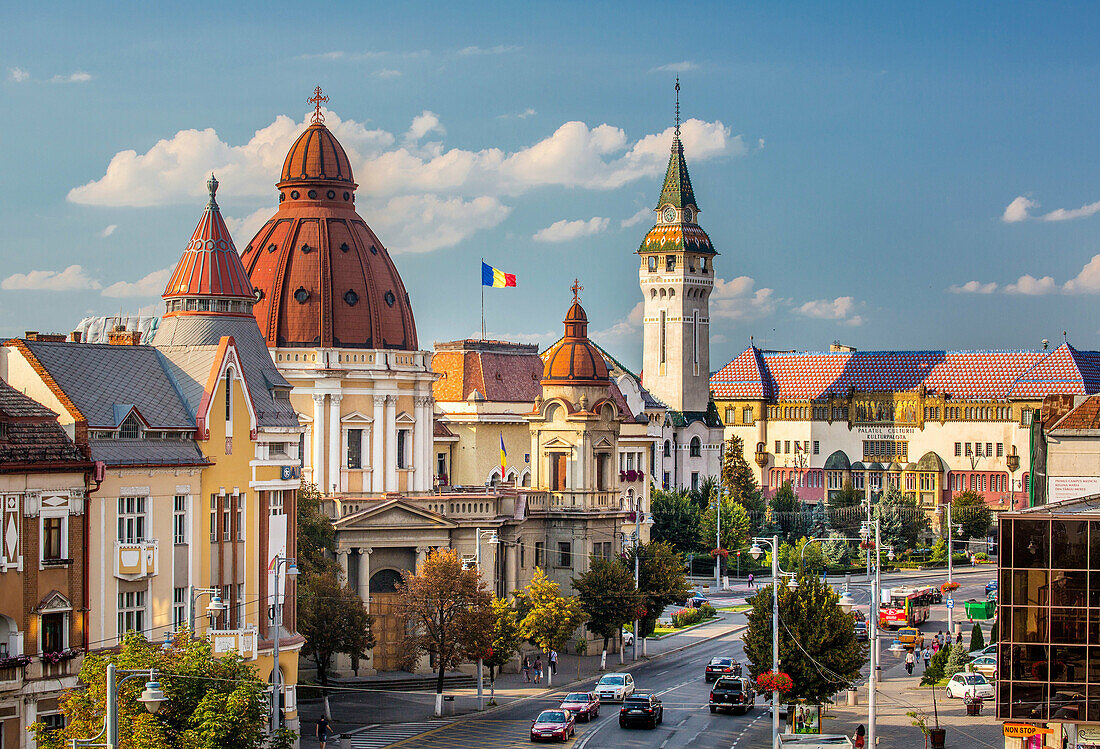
{"x":910,"y":659}
{"x":554,"y":662}
{"x":751,"y":584}
{"x":959,"y":638}
{"x":538,"y":669}
{"x":526,"y":670}
{"x":927,"y":657}
{"x":860,"y":742}
{"x":935,"y":645}
{"x":323,"y":731}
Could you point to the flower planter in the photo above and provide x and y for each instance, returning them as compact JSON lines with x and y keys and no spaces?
{"x":937,"y":737}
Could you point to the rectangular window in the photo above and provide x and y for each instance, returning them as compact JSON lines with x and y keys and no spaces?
{"x":53,"y":722}
{"x":179,"y":519}
{"x":441,"y":464}
{"x":565,"y":556}
{"x":969,"y":450}
{"x":179,"y":607}
{"x":665,"y":482}
{"x":238,"y":516}
{"x":275,"y":502}
{"x":989,"y":449}
{"x":228,"y":395}
{"x":226,"y":510}
{"x":240,"y":605}
{"x":817,"y":447}
{"x":662,"y":340}
{"x":1000,"y":449}
{"x":355,"y":448}
{"x":786,"y":446}
{"x":746,"y":415}
{"x":540,"y":547}
{"x":652,"y":263}
{"x":629,"y":461}
{"x":977,"y":449}
{"x":695,"y":337}
{"x":213,"y":517}
{"x":806,"y":446}
{"x":131,"y":612}
{"x":51,"y":538}
{"x":777,"y":447}
{"x":131,"y":519}
{"x":522,"y":554}
{"x":53,"y":632}
{"x":1025,"y":417}
{"x":670,"y":263}
{"x":402,"y":442}
{"x":694,"y":480}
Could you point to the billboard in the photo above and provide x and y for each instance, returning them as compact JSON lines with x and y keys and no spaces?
{"x":1061,"y":488}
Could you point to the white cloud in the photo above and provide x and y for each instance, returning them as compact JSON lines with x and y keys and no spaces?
{"x":1087,"y":281}
{"x":150,"y":285}
{"x":72,"y":278}
{"x":642,"y":215}
{"x":18,"y":75}
{"x":244,"y":229}
{"x":529,"y":112}
{"x":565,"y":231}
{"x":499,"y":49}
{"x":77,"y":77}
{"x":973,"y":287}
{"x":840,"y":308}
{"x":422,"y":223}
{"x":676,"y":67}
{"x":387,"y":73}
{"x":1017,"y":210}
{"x":1031,"y":286}
{"x":424,"y":123}
{"x":626,"y":329}
{"x":738,"y":299}
{"x":1063,"y":214}
{"x":108,"y":231}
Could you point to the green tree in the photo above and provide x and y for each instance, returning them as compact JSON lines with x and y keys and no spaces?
{"x":901,"y":520}
{"x":977,"y":639}
{"x":441,"y":604}
{"x":808,"y":557}
{"x":316,"y":534}
{"x":789,"y":513}
{"x":956,"y":661}
{"x":704,"y":494}
{"x":939,"y":551}
{"x":993,"y":632}
{"x":843,"y":517}
{"x":836,"y":551}
{"x":505,"y":636}
{"x":969,"y":510}
{"x":608,"y":597}
{"x":550,"y":617}
{"x":332,"y":619}
{"x":676,"y":520}
{"x":827,"y":656}
{"x":735,"y":525}
{"x":661,"y":581}
{"x":737,"y":475}
{"x":211,"y":702}
{"x":936,"y":666}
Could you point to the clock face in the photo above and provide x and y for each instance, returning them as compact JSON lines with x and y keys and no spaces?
{"x":670,"y":215}
{"x":687,"y":214}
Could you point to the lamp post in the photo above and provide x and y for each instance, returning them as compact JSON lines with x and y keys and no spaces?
{"x":493,"y":539}
{"x":152,"y":697}
{"x":756,"y":551}
{"x":276,"y":676}
{"x":215,"y":607}
{"x":718,"y":544}
{"x":637,"y":565}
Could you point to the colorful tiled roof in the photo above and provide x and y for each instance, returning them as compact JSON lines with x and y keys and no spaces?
{"x":677,"y":187}
{"x":678,"y":237}
{"x":501,"y":372}
{"x":1085,"y":417}
{"x":964,"y":374}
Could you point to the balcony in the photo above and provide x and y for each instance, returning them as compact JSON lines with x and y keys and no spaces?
{"x":136,"y":560}
{"x":573,"y":501}
{"x":243,"y":641}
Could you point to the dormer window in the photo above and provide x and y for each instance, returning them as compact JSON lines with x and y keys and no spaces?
{"x":652,"y":263}
{"x":130,"y":429}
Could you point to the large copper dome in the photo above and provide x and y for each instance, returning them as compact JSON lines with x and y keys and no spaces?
{"x":575,"y":360}
{"x":322,"y":276}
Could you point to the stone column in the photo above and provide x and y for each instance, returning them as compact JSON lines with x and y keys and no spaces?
{"x":510,"y":568}
{"x":421,"y":554}
{"x":377,"y":435}
{"x":342,"y":558}
{"x":364,"y":575}
{"x":334,"y":482}
{"x":391,"y":443}
{"x":318,"y":444}
{"x":422,"y":461}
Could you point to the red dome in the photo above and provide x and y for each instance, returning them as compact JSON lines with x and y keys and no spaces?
{"x":322,"y":276}
{"x":575,"y":360}
{"x":210,"y":266}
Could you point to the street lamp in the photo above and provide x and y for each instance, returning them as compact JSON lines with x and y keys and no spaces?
{"x":493,"y":539}
{"x":214,"y":608}
{"x":756,"y":551}
{"x":846,"y":602}
{"x":152,"y":697}
{"x":291,"y":570}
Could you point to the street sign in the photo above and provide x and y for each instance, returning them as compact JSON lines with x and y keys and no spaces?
{"x":1023,"y":730}
{"x":950,"y":603}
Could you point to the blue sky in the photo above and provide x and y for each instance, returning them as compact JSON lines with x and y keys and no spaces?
{"x":891,"y":176}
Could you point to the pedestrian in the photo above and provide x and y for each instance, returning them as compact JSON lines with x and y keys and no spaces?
{"x":959,"y":638}
{"x":939,"y":638}
{"x":920,"y":641}
{"x":323,"y":731}
{"x":538,"y":669}
{"x":935,"y":646}
{"x":860,"y":742}
{"x":750,"y":580}
{"x":526,"y":670}
{"x":554,"y":662}
{"x":927,"y":657}
{"x":910,"y":659}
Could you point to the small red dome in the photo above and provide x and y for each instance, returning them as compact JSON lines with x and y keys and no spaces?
{"x":210,"y":266}
{"x":322,"y":276}
{"x":575,"y":360}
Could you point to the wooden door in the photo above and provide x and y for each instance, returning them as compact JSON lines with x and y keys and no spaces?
{"x":560,"y":464}
{"x":388,"y":632}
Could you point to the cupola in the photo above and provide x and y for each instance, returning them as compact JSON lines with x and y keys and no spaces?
{"x":575,"y":360}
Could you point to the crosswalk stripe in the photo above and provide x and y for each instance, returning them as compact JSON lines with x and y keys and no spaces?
{"x":382,"y":736}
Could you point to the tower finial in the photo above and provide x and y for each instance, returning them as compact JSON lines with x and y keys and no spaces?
{"x":317,"y":99}
{"x":576,"y":289}
{"x":677,"y":106}
{"x":212,"y":187}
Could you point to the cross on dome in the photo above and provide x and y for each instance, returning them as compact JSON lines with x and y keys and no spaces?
{"x":576,"y":288}
{"x":317,"y":99}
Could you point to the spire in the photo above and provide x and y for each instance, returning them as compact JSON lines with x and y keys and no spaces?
{"x":317,"y":100}
{"x":677,"y":188}
{"x":212,"y":187}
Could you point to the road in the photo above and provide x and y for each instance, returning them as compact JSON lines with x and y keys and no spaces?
{"x":677,"y":678}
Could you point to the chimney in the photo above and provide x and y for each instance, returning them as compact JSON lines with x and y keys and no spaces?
{"x":34,"y":335}
{"x":120,"y":336}
{"x":76,"y":337}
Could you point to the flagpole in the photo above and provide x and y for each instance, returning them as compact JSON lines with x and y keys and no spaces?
{"x":483,"y":302}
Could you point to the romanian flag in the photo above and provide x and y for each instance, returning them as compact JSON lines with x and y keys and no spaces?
{"x":503,"y":452}
{"x":491,"y":276}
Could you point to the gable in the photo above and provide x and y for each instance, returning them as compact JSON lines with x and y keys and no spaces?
{"x":394,"y":514}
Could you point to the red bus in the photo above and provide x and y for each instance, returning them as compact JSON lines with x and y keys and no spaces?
{"x":904,"y":607}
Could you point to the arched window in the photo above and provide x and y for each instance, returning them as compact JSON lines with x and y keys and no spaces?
{"x":695,"y":448}
{"x":668,"y":449}
{"x":130,"y":428}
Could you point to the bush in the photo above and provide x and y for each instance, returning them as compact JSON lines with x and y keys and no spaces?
{"x":981,"y":556}
{"x":687,"y":617}
{"x":706,"y":611}
{"x":936,"y":666}
{"x":977,"y":640}
{"x":993,"y":633}
{"x":956,"y":662}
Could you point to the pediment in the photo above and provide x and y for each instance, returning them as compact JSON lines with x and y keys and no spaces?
{"x":54,"y":601}
{"x":604,"y":443}
{"x":557,"y":442}
{"x":355,"y":417}
{"x":394,"y":513}
{"x":404,"y":418}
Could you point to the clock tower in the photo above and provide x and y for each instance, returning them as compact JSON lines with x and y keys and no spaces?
{"x":676,"y":277}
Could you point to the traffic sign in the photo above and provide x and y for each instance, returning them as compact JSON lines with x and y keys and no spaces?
{"x":1023,"y":730}
{"x":950,"y":603}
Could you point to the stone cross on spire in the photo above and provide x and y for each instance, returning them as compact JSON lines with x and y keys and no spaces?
{"x":576,"y":289}
{"x":317,"y":99}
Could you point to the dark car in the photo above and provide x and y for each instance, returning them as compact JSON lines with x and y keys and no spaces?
{"x":860,"y":625}
{"x":553,"y":724}
{"x":641,"y":708}
{"x":719,"y":667}
{"x":732,"y":694}
{"x":584,"y":705}
{"x":990,"y":586}
{"x":696,"y":601}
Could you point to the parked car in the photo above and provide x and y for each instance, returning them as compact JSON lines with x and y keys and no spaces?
{"x":628,"y":638}
{"x":614,"y":687}
{"x":732,"y":693}
{"x":964,"y":685}
{"x":696,"y":601}
{"x":990,"y":586}
{"x":987,"y":650}
{"x":721,"y":666}
{"x":860,"y":625}
{"x":584,"y":705}
{"x":641,"y":707}
{"x":986,"y":665}
{"x":553,"y":724}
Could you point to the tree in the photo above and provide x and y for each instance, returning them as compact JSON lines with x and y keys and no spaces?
{"x":901,"y":520}
{"x":977,"y":640}
{"x":939,"y":551}
{"x":735,"y":525}
{"x":550,"y":617}
{"x":969,"y":510}
{"x":842,"y":515}
{"x":661,"y":581}
{"x":787,"y":512}
{"x":704,"y":494}
{"x":210,"y":702}
{"x":808,"y":557}
{"x":675,"y":520}
{"x":956,"y":661}
{"x":441,"y":604}
{"x":608,"y":597}
{"x":505,"y":638}
{"x":819,"y":521}
{"x":332,"y":619}
{"x":936,"y":666}
{"x":993,"y":631}
{"x":827,"y":656}
{"x":737,"y":475}
{"x":837,"y":551}
{"x":316,"y":534}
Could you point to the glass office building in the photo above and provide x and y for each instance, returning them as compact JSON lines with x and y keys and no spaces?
{"x":1049,"y":614}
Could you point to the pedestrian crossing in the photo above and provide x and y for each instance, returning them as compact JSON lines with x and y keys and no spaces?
{"x":377,"y":737}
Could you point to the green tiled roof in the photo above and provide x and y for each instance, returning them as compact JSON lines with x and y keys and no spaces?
{"x":677,"y":189}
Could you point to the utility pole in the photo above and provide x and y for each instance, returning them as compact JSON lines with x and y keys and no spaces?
{"x":637,"y":567}
{"x":775,"y":639}
{"x":874,"y":667}
{"x":718,"y":546}
{"x":950,"y":568}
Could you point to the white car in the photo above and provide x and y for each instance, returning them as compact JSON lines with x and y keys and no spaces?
{"x":964,"y":685}
{"x":987,"y":650}
{"x":614,"y":687}
{"x":628,"y":638}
